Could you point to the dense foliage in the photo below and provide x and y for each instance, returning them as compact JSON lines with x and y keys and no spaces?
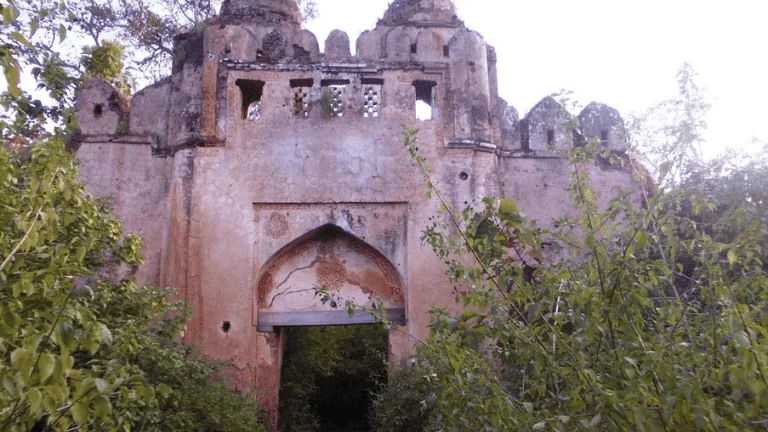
{"x":328,"y":376}
{"x":80,"y":344}
{"x":404,"y":403}
{"x":645,"y":314}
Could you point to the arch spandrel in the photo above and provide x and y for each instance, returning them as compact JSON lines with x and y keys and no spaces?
{"x":332,"y":258}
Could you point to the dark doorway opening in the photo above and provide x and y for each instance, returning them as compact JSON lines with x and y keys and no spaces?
{"x":329,"y":375}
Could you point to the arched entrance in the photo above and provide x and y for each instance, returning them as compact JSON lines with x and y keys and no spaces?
{"x":287,"y":296}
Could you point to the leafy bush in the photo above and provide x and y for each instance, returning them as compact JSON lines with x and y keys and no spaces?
{"x":327,"y":376}
{"x":404,"y":403}
{"x":621,"y":318}
{"x":106,"y":61}
{"x":80,"y":346}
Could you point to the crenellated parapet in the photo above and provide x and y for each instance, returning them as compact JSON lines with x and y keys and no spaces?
{"x":600,"y":122}
{"x":439,"y":67}
{"x":101,"y":110}
{"x":550,"y":130}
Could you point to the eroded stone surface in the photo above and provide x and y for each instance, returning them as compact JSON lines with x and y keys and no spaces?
{"x":101,"y":109}
{"x":603,"y":123}
{"x":337,"y":45}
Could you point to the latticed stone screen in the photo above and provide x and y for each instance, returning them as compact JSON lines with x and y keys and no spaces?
{"x":372,"y":101}
{"x":337,"y":99}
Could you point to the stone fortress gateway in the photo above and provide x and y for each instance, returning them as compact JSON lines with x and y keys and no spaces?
{"x":263,"y":167}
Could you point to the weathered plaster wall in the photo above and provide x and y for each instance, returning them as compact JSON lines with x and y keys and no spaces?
{"x":538,"y":185}
{"x":127,"y":172}
{"x":150,"y":109}
{"x":349,"y":171}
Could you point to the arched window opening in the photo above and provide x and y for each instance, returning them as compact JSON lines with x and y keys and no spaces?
{"x":251,"y":92}
{"x":424,"y":100}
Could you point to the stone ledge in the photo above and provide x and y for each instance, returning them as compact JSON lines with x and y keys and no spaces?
{"x":352,"y":67}
{"x":470,"y":144}
{"x":267,"y":321}
{"x":117,"y":139}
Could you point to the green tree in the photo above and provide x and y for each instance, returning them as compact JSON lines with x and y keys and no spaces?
{"x":638,"y":318}
{"x":52,"y":239}
{"x":105,"y":61}
{"x":81,"y":345}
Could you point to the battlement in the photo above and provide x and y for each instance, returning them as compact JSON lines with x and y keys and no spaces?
{"x":417,"y":65}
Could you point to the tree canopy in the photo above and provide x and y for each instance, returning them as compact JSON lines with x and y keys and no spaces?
{"x":629,"y":317}
{"x":81,"y":346}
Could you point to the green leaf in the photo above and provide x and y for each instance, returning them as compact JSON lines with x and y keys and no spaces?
{"x":80,"y":413}
{"x":21,"y":39}
{"x":45,"y":366}
{"x":62,"y":32}
{"x":9,"y":385}
{"x":508,"y":210}
{"x":10,"y":13}
{"x":106,"y":335}
{"x":11,"y":71}
{"x":589,"y":240}
{"x":19,"y":356}
{"x":164,"y":390}
{"x":35,"y":399}
{"x":101,"y":385}
{"x":641,"y":239}
{"x":65,"y":335}
{"x":80,"y":254}
{"x":102,"y":406}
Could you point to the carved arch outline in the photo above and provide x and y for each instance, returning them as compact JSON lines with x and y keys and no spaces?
{"x":386,"y":284}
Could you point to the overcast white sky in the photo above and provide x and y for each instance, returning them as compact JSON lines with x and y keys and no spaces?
{"x":624,"y":53}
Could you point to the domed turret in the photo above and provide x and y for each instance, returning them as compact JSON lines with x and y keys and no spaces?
{"x":421,"y":11}
{"x":260,"y":11}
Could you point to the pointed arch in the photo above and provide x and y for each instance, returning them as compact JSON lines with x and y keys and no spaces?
{"x":332,"y":258}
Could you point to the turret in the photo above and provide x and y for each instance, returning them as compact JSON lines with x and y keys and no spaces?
{"x":263,"y":12}
{"x":405,"y":12}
